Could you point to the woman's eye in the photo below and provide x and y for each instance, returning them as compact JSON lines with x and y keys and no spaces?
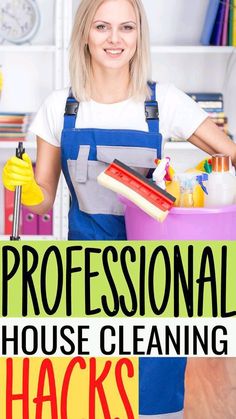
{"x":127,"y":28}
{"x":101,"y":27}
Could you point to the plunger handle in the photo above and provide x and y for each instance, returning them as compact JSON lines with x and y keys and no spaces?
{"x":17,"y":201}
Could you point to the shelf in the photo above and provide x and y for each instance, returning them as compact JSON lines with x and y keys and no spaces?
{"x":179,"y":145}
{"x":190,"y":49}
{"x":28,"y":48}
{"x":13,"y":144}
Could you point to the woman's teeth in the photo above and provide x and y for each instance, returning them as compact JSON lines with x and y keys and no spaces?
{"x":114,"y":51}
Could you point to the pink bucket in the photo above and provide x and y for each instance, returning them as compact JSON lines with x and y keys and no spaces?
{"x":181,"y":223}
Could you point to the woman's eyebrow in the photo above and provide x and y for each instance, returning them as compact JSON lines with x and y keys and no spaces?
{"x":129,"y":21}
{"x":101,"y":21}
{"x":108,"y":23}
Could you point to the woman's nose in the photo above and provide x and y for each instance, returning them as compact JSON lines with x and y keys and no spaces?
{"x":114,"y":36}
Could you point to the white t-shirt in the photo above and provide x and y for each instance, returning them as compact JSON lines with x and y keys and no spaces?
{"x":179,"y":115}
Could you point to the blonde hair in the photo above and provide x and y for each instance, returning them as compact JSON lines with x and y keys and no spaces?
{"x":80,"y":59}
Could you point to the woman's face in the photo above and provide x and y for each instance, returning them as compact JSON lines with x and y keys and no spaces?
{"x":113,"y":35}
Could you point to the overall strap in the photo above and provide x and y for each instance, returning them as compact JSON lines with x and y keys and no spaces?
{"x":151,"y":110}
{"x":71,"y":110}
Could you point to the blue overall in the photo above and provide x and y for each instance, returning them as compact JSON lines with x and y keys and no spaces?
{"x":96,"y":214}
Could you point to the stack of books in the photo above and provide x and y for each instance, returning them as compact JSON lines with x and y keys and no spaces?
{"x":14,"y":126}
{"x":213,"y":104}
{"x":220,"y":23}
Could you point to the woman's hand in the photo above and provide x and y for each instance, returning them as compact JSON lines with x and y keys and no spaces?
{"x":19,"y":172}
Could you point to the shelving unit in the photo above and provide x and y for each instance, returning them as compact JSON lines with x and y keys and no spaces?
{"x":39,"y":68}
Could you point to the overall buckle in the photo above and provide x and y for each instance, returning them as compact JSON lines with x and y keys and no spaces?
{"x":71,"y":108}
{"x":151,"y":111}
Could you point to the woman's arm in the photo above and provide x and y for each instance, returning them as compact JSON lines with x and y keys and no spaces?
{"x":213,"y":140}
{"x":47,"y":173}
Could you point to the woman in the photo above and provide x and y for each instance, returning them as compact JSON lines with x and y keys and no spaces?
{"x":111,"y":112}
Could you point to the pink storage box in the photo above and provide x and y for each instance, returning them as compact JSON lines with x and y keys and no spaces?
{"x":181,"y":223}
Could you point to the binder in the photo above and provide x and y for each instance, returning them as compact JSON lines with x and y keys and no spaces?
{"x":29,"y":222}
{"x":210,"y":18}
{"x":218,"y":26}
{"x":8,"y":209}
{"x":225,"y":24}
{"x":8,"y":212}
{"x":230,"y":25}
{"x":45,"y":224}
{"x":234,"y":24}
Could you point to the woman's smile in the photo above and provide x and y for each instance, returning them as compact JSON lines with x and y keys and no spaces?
{"x":114,"y":53}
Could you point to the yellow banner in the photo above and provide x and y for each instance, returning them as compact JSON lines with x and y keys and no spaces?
{"x":68,"y":388}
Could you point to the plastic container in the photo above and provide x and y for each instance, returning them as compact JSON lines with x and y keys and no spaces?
{"x":221,"y":185}
{"x":181,"y":223}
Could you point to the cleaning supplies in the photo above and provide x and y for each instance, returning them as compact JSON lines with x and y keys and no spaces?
{"x":200,"y":191}
{"x":191,"y":189}
{"x":144,"y":193}
{"x":205,"y":165}
{"x":221,"y":185}
{"x":173,"y":188}
{"x":159,"y":174}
